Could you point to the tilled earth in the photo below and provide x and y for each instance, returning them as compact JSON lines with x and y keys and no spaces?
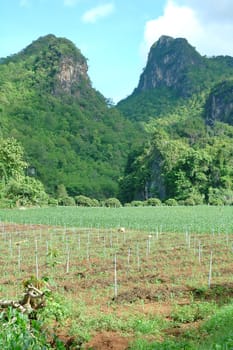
{"x":137,"y":272}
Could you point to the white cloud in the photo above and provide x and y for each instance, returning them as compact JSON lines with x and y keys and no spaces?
{"x":211,"y":9}
{"x":94,"y":14}
{"x":205,"y":24}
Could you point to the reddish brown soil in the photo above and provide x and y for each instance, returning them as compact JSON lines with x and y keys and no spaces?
{"x":108,"y":341}
{"x":169,"y":274}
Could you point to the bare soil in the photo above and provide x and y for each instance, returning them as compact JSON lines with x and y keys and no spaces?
{"x":154,"y":273}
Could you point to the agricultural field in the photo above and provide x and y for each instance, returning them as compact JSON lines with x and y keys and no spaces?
{"x":165,"y":282}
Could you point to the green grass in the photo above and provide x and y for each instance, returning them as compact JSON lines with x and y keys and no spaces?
{"x":197,"y":219}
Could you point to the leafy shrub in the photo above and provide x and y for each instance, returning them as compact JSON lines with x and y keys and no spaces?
{"x":220,"y":196}
{"x":61,"y":191}
{"x":53,"y":202}
{"x":26,"y":190}
{"x":218,"y":330}
{"x":193,"y":312}
{"x":17,"y":332}
{"x":189,"y":201}
{"x":137,"y":204}
{"x":6,"y":203}
{"x":95,"y":202}
{"x":171,"y":202}
{"x":112,"y":203}
{"x":66,"y":201}
{"x":197,"y":197}
{"x":154,"y":202}
{"x":84,"y":201}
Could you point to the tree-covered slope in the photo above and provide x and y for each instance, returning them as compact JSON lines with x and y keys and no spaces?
{"x":69,"y":133}
{"x":186,"y":103}
{"x":172,"y":138}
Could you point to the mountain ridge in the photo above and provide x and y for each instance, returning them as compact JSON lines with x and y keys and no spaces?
{"x":141,"y":148}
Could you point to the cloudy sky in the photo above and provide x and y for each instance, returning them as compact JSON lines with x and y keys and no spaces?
{"x":116,"y":35}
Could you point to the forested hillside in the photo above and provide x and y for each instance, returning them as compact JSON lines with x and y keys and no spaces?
{"x":70,"y":135}
{"x":186,"y":101}
{"x":171,"y":139}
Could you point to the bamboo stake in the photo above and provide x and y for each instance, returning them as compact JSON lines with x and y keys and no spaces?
{"x":36,"y":257}
{"x":115,"y":276}
{"x":68,"y":261}
{"x":19,"y":257}
{"x":210,"y":269}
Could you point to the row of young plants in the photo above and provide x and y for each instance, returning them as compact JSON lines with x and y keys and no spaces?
{"x":84,"y":324}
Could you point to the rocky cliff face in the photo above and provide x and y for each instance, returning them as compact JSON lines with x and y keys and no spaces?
{"x":219,"y":105}
{"x":169,"y":63}
{"x":71,"y":74}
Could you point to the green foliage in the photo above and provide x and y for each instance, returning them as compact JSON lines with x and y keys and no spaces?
{"x":52,"y":201}
{"x":55,"y":310}
{"x":86,"y":201}
{"x":69,"y":133}
{"x":143,"y":344}
{"x":137,"y":203}
{"x":218,"y":330}
{"x":171,"y":202}
{"x":73,"y":136}
{"x":16,"y":188}
{"x":18,"y":332}
{"x":220,"y":196}
{"x":193,"y":312}
{"x":154,"y":202}
{"x":176,"y":168}
{"x":26,"y":191}
{"x":61,"y":191}
{"x":12,"y":164}
{"x":201,"y":219}
{"x":112,"y":203}
{"x":66,"y":201}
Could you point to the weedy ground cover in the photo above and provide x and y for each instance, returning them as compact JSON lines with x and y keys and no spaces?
{"x":147,"y":288}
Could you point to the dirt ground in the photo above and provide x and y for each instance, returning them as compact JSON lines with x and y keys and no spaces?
{"x":152,"y":272}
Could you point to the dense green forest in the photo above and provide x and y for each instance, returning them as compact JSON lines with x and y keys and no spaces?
{"x":171,"y":139}
{"x":70,"y":134}
{"x":187,"y":157}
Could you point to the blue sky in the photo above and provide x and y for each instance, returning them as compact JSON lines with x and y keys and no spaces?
{"x":115,"y":35}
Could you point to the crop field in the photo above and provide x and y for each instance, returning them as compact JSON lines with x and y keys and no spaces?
{"x":164,"y":283}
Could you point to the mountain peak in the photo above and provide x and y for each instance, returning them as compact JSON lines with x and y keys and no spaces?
{"x":59,"y":62}
{"x":164,"y":40}
{"x":169,"y":63}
